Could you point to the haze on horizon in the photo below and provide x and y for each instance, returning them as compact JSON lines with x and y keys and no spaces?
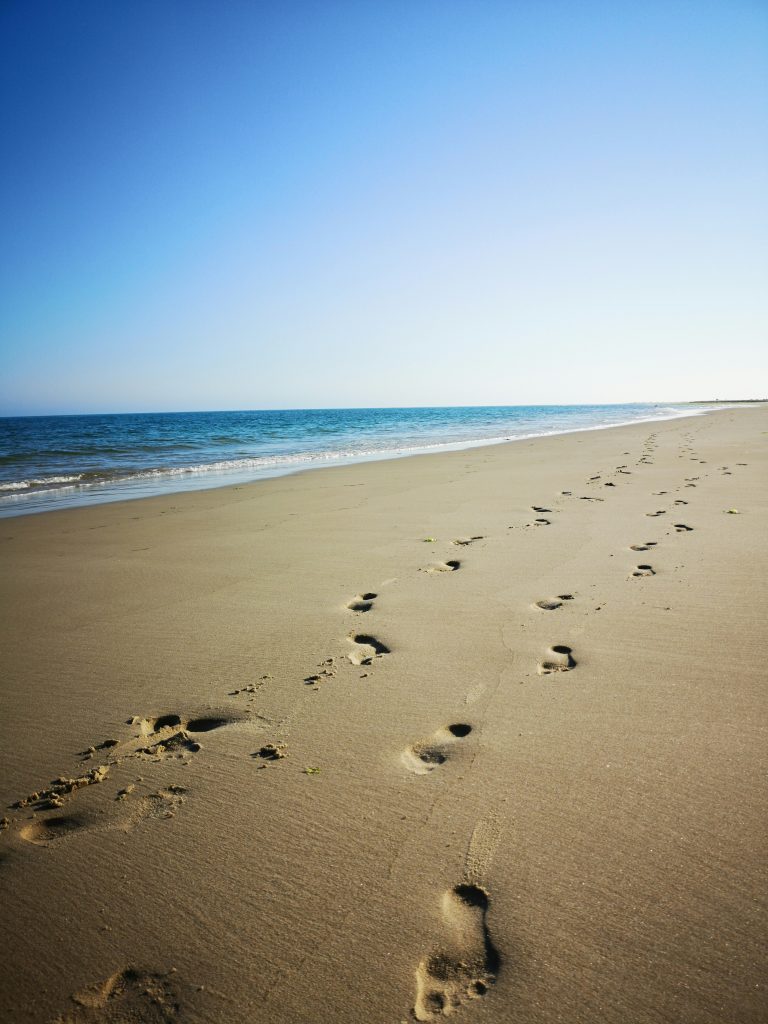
{"x":307,"y":205}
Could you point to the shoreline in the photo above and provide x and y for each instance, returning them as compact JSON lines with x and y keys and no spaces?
{"x":500,"y":709}
{"x":84,"y":497}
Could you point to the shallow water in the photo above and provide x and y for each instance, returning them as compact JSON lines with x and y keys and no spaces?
{"x":49,"y":462}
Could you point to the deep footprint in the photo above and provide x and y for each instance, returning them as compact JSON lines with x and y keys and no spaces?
{"x":643,"y":570}
{"x":643,"y":547}
{"x":426,"y":755}
{"x":559,"y":658}
{"x":682,"y":528}
{"x":365,"y":649}
{"x":362,"y":602}
{"x":450,"y":566}
{"x":468,"y":962}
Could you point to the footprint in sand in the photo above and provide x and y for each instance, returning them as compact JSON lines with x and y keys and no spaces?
{"x":539,"y":508}
{"x":558,"y":658}
{"x":550,"y":604}
{"x":171,"y":736}
{"x":643,"y":570}
{"x":542,"y":522}
{"x":465,"y":541}
{"x":48,"y":830}
{"x":646,"y":546}
{"x":362,"y":602}
{"x":425,"y":755}
{"x":122,"y":815}
{"x":682,"y":528}
{"x":128,"y":995}
{"x":450,"y":566}
{"x":467,"y":962}
{"x":659,"y":512}
{"x":680,"y":501}
{"x":365,"y":649}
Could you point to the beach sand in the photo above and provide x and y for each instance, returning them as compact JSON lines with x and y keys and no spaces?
{"x":480,"y":733}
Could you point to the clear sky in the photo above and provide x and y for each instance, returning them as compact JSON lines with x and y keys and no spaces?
{"x":209,"y":205}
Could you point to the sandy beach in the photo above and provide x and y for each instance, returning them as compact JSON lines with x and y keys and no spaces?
{"x":479,"y":734}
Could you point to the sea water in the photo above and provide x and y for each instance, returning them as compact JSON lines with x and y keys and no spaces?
{"x":50,"y":462}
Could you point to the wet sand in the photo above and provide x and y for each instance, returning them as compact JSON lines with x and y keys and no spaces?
{"x":479,"y":733}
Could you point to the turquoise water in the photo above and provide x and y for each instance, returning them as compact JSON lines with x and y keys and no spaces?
{"x":49,"y":462}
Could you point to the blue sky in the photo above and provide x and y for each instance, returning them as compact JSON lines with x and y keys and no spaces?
{"x":275,"y":205}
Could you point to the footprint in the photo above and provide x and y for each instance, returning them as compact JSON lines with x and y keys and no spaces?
{"x":643,"y":547}
{"x":365,"y":649}
{"x":468,"y":962}
{"x":166,"y":735}
{"x":559,"y":658}
{"x":660,"y":512}
{"x":538,"y":508}
{"x":542,"y":522}
{"x":450,"y":566}
{"x":682,"y":528}
{"x":362,"y":602}
{"x":183,"y":741}
{"x":426,"y":755}
{"x":128,"y":995}
{"x":643,"y":570}
{"x":464,"y":541}
{"x":680,"y":501}
{"x":48,"y":830}
{"x":549,"y":604}
{"x":124,"y":814}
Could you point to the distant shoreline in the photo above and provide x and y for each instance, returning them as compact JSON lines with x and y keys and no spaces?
{"x":55,"y":462}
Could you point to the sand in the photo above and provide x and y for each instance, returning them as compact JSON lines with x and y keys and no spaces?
{"x":479,"y":734}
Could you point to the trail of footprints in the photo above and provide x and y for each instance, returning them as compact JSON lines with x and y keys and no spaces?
{"x":465,"y":962}
{"x":51,"y":814}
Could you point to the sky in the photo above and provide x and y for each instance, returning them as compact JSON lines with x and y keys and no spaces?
{"x":332,"y":203}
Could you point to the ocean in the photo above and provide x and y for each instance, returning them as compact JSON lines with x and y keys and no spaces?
{"x":50,"y":462}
